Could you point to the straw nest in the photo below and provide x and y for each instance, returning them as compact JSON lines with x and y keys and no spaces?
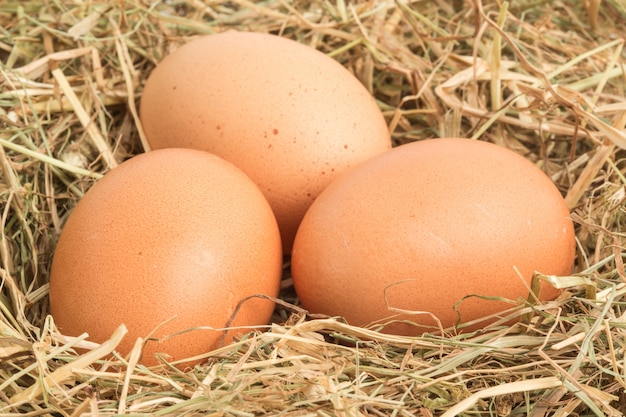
{"x":544,"y":78}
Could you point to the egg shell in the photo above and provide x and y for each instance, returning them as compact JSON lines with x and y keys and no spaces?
{"x":289,"y":116}
{"x":425,"y":225}
{"x":168,"y":241}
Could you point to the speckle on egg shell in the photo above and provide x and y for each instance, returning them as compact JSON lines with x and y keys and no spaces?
{"x":168,"y":241}
{"x":426,"y":225}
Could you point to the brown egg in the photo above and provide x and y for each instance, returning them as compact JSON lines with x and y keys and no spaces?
{"x":426,"y":225}
{"x":289,"y":116}
{"x":168,"y":241}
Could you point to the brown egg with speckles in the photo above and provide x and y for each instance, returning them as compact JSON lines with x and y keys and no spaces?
{"x":289,"y":116}
{"x":169,"y":241}
{"x":446,"y":227}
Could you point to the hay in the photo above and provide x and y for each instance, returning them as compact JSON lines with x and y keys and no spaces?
{"x":546,"y":79}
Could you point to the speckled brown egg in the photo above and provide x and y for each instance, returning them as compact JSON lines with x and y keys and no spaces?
{"x":439,"y":226}
{"x":168,"y":241}
{"x":289,"y":116}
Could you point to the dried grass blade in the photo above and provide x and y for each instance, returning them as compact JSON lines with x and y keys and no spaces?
{"x":495,"y":58}
{"x":571,"y":64}
{"x":127,"y":69}
{"x":476,"y":348}
{"x":49,"y":160}
{"x":593,"y":10}
{"x":37,"y":68}
{"x":66,"y":371}
{"x":507,"y":388}
{"x":82,"y":408}
{"x":583,"y":182}
{"x":96,"y":138}
{"x":135,"y":355}
{"x":617,"y":136}
{"x":480,"y":72}
{"x":87,"y":23}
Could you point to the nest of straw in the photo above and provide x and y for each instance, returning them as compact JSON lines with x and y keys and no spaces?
{"x":544,"y":78}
